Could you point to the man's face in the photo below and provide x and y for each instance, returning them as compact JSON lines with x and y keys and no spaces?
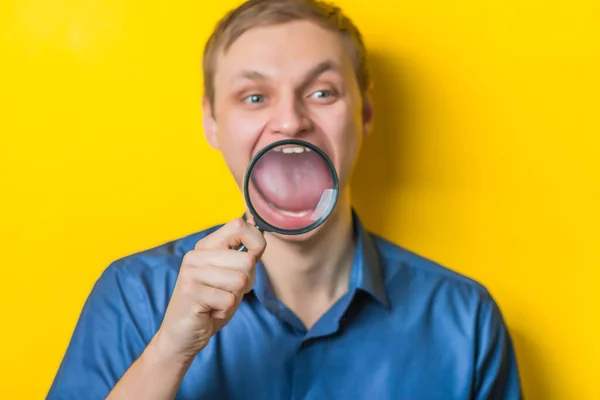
{"x":292,"y":80}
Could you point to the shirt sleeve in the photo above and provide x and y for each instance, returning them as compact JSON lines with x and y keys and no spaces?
{"x":497,"y":374}
{"x":112,"y":331}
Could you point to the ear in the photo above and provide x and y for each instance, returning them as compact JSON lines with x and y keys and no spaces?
{"x":209,"y":123}
{"x":367,"y":112}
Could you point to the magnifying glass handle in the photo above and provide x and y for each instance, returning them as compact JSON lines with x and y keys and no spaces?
{"x":243,"y":247}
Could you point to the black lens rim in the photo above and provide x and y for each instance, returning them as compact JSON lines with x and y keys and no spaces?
{"x":264,"y":225}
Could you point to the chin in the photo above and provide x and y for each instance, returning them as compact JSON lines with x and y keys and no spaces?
{"x":314,"y":234}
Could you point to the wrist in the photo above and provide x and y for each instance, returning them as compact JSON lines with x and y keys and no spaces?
{"x":160,"y":353}
{"x":156,"y":374}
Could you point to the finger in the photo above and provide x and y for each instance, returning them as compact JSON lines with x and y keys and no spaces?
{"x":212,"y":299}
{"x":250,"y":220}
{"x":218,"y":314}
{"x":232,"y":281}
{"x":230,"y":259}
{"x":233,"y":234}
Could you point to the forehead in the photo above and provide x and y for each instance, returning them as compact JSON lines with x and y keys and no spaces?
{"x":283,"y":51}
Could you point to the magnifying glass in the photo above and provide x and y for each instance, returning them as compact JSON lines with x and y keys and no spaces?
{"x":291,"y":187}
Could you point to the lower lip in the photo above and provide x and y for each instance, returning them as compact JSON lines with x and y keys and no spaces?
{"x":276,"y":218}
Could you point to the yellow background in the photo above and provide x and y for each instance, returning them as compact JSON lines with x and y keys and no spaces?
{"x":487,"y":113}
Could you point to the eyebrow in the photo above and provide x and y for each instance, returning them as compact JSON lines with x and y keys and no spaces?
{"x":313,"y":73}
{"x":327,"y":65}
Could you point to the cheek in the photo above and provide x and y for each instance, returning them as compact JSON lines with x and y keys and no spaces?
{"x":238,"y":133}
{"x":341,"y":128}
{"x":240,"y":127}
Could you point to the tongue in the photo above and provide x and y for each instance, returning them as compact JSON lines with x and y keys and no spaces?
{"x":292,"y":182}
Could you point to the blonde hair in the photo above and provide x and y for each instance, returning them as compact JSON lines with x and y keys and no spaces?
{"x":269,"y":12}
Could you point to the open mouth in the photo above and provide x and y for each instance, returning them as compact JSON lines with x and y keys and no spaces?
{"x":290,"y":181}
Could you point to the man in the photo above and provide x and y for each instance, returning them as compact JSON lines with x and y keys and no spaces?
{"x":336,"y":313}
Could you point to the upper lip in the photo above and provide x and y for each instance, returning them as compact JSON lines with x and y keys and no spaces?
{"x":321,"y":147}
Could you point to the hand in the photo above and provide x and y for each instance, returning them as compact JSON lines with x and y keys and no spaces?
{"x":211,"y":284}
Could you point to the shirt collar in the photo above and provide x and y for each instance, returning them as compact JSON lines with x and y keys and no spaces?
{"x":366,"y":273}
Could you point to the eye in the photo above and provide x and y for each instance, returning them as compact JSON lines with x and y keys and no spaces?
{"x":254,"y":99}
{"x":321,"y":94}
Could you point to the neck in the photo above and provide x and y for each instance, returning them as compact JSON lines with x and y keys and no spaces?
{"x":310,"y":275}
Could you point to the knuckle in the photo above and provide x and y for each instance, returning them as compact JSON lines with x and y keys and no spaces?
{"x":247,"y":262}
{"x":242,"y":280}
{"x":200,"y":244}
{"x":189,"y":257}
{"x":185,"y":276}
{"x":230,"y":300}
{"x":238,"y":224}
{"x":263,"y":241}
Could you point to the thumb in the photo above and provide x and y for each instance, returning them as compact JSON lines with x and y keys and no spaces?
{"x":250,"y":219}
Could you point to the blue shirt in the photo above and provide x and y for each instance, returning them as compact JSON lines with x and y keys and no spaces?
{"x":407,"y":329}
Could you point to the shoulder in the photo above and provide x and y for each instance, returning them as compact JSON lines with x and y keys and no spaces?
{"x":435,"y":303}
{"x":411,"y":278}
{"x":119,"y":317}
{"x":396,"y":259}
{"x":138,"y":287}
{"x":144,"y":280}
{"x":161,"y":260}
{"x":430,"y":297}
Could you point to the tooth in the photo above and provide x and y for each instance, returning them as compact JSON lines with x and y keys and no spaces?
{"x":294,"y":149}
{"x":307,"y":149}
{"x":277,"y":149}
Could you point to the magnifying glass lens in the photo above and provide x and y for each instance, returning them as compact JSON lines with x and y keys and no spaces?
{"x":292,"y":186}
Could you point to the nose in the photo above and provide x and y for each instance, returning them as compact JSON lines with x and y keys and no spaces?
{"x":289,"y":117}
